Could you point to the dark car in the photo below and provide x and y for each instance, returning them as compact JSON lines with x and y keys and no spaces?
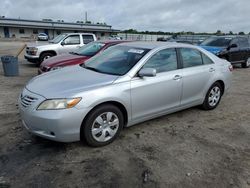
{"x":235,"y":49}
{"x":77,"y":57}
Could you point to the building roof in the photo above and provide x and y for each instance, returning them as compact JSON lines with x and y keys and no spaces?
{"x":24,"y":23}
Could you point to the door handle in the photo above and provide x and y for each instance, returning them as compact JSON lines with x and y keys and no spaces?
{"x":177,"y":77}
{"x":211,"y":70}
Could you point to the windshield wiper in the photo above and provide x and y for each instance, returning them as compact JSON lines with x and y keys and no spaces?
{"x":74,"y":53}
{"x":97,"y":70}
{"x":91,"y":68}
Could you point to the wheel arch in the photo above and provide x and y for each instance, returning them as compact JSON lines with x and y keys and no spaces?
{"x":48,"y":51}
{"x":115,"y":103}
{"x":222,"y":85}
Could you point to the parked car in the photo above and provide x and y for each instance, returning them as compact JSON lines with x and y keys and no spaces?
{"x":42,"y":36}
{"x":77,"y":57}
{"x":37,"y":53}
{"x":235,"y":49}
{"x":125,"y":85}
{"x":115,"y":37}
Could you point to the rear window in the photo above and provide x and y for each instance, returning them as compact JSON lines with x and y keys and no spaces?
{"x":87,"y":38}
{"x":206,"y":59}
{"x":190,"y":57}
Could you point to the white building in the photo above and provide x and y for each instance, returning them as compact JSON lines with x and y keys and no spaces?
{"x":21,"y":28}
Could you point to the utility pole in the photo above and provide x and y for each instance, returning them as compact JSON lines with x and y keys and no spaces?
{"x":86,"y":16}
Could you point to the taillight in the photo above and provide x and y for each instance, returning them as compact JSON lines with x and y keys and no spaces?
{"x":231,"y":68}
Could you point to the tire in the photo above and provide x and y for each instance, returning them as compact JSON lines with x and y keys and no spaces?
{"x":213,"y":97}
{"x":246,"y":64}
{"x":44,"y":56}
{"x":102,"y":125}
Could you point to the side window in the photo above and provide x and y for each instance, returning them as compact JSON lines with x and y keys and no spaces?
{"x":163,"y":61}
{"x":243,"y":42}
{"x":71,"y":40}
{"x":87,"y":38}
{"x":190,"y":57}
{"x":206,"y":59}
{"x":235,"y":41}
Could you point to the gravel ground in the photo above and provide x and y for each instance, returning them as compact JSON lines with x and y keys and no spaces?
{"x":191,"y":148}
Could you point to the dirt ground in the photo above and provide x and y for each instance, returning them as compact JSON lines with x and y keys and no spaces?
{"x":191,"y":148}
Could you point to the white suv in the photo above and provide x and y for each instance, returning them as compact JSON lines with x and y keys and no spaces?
{"x":38,"y":52}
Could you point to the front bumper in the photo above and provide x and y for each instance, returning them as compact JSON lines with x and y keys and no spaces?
{"x":58,"y":125}
{"x":32,"y":59}
{"x":42,"y":70}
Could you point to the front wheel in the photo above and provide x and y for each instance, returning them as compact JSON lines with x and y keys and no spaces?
{"x":213,"y":97}
{"x":45,"y":56}
{"x":102,"y":125}
{"x":246,"y":64}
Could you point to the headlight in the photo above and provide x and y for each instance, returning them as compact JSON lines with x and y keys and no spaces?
{"x":33,"y":50}
{"x":55,"y":68}
{"x":56,"y":104}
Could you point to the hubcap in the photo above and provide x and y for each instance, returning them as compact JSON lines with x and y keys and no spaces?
{"x":46,"y":57}
{"x":105,"y":127}
{"x":248,"y":62}
{"x":214,"y":96}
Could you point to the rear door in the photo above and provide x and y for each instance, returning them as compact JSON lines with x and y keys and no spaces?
{"x":152,"y":96}
{"x":198,"y":69}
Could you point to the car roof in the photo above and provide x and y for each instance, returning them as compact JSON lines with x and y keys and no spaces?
{"x":112,"y":41}
{"x":78,"y":33}
{"x":153,"y":45}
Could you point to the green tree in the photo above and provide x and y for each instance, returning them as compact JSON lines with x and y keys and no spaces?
{"x":241,"y":33}
{"x":218,"y":32}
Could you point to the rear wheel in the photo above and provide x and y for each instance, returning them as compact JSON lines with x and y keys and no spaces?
{"x":213,"y":97}
{"x":102,"y":125}
{"x":246,"y":64}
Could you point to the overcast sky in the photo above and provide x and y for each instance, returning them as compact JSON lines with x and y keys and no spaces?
{"x":153,"y":15}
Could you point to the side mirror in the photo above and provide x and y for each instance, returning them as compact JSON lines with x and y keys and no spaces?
{"x":232,"y":46}
{"x":147,"y":72}
{"x":63,"y":43}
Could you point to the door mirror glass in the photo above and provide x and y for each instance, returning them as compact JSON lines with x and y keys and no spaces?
{"x":233,"y":46}
{"x":147,"y":72}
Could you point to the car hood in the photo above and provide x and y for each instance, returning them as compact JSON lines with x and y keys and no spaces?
{"x":213,"y":49}
{"x":39,"y":44}
{"x":68,"y":82}
{"x":64,"y":60}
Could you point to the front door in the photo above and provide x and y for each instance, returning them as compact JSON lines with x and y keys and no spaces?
{"x":70,"y":44}
{"x":239,"y":53}
{"x":152,"y":96}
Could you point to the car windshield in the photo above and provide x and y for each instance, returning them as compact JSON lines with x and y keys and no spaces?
{"x":116,"y":60}
{"x":217,"y":41}
{"x":89,"y":49}
{"x":58,"y":38}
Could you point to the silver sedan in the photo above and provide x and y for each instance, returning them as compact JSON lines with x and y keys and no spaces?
{"x":126,"y":84}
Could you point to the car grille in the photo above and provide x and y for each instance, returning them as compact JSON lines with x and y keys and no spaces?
{"x":26,"y":100}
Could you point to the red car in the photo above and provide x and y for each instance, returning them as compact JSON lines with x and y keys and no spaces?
{"x":77,"y":57}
